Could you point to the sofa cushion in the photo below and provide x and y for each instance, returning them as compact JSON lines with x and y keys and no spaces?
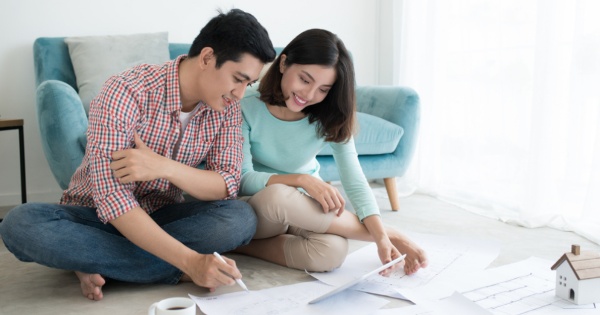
{"x":97,"y":58}
{"x":375,"y":136}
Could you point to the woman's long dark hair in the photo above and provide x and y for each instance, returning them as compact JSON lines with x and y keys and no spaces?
{"x":336,"y":113}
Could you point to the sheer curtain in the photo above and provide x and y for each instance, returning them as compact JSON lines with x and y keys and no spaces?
{"x":510,"y":94}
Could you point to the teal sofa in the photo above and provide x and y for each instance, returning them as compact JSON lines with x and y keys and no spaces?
{"x":388,"y":120}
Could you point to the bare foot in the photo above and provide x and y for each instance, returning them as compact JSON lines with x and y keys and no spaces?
{"x":91,"y":285}
{"x":415,"y":256}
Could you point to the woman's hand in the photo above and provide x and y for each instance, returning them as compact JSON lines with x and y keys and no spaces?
{"x":416,"y":258}
{"x":328,"y":196}
{"x":386,"y":248}
{"x":387,"y":252}
{"x":137,"y":164}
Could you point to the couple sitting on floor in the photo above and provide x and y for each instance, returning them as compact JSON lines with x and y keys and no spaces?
{"x":123,"y":215}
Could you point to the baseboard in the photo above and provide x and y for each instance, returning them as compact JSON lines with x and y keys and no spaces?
{"x":15,"y":199}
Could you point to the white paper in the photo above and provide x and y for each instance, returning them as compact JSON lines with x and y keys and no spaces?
{"x":454,"y":304}
{"x":449,"y":258}
{"x":526,"y":287}
{"x":356,"y":281}
{"x":290,"y":299}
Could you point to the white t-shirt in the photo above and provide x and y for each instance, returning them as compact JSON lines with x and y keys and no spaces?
{"x":185,"y":120}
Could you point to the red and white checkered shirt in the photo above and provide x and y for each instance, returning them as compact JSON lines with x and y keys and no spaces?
{"x":146,"y":99}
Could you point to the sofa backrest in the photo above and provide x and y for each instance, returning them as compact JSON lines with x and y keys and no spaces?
{"x":52,"y":60}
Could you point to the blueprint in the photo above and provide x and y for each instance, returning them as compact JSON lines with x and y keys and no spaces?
{"x":526,"y":287}
{"x":522,"y":288}
{"x":449,"y":258}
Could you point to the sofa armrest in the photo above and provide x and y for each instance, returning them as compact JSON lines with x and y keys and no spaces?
{"x":51,"y":61}
{"x":399,"y":105}
{"x":63,"y":125}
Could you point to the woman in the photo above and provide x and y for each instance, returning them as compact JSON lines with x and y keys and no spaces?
{"x":307,"y":101}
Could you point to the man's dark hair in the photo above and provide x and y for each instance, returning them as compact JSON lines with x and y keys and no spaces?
{"x":232,"y":34}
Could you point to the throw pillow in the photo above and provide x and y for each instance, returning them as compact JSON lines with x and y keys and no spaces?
{"x":97,"y":58}
{"x":375,"y":136}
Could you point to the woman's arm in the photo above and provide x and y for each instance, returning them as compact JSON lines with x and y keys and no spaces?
{"x":353,"y":180}
{"x":386,"y":250}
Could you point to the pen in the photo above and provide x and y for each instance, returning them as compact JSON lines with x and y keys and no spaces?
{"x":239,"y":281}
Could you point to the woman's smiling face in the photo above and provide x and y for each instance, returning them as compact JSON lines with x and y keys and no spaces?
{"x":305,"y":85}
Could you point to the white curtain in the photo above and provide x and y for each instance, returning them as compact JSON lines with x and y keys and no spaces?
{"x":510,"y":99}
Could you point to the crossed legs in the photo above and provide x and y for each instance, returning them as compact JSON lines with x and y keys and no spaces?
{"x":293,"y":231}
{"x":294,"y":236}
{"x":73,"y":238}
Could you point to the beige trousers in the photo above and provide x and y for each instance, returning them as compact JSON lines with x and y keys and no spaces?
{"x":284,"y":210}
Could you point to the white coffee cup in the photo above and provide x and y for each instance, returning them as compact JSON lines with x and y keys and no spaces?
{"x":173,"y":306}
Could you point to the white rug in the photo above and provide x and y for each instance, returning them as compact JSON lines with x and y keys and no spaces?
{"x":28,"y":288}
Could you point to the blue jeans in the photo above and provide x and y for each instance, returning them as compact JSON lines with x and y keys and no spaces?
{"x":73,"y":238}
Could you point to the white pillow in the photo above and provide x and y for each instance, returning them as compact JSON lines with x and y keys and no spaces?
{"x":97,"y":58}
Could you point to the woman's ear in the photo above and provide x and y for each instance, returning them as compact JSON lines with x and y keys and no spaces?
{"x":282,"y":63}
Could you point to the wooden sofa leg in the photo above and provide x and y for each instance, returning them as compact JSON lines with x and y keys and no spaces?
{"x":390,"y":187}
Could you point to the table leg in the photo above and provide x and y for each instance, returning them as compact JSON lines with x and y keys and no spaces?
{"x":22,"y":163}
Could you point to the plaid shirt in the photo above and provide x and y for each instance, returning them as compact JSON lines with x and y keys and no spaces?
{"x":146,"y":99}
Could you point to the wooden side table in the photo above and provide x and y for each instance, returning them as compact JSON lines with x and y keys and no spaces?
{"x":9,"y":124}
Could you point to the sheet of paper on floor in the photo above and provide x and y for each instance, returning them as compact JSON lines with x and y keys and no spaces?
{"x":449,"y":258}
{"x":454,"y":304}
{"x":525,"y":287}
{"x":290,"y":299}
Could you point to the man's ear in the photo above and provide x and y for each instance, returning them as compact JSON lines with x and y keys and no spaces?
{"x":207,"y":54}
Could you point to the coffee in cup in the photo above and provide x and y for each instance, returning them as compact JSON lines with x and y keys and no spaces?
{"x":173,"y":306}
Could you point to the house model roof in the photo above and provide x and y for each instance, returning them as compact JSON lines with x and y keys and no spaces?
{"x":585,"y":265}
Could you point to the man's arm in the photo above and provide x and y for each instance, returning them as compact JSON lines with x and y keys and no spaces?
{"x":223,"y":162}
{"x":136,"y":225}
{"x":142,"y":164}
{"x":225,"y":156}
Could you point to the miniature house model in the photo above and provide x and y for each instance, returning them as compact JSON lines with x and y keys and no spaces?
{"x":578,"y":276}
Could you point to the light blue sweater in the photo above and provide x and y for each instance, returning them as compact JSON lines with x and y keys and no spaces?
{"x":273,"y":146}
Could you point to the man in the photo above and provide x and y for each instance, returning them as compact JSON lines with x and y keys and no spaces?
{"x":123,"y":217}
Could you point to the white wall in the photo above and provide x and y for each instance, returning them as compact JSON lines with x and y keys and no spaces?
{"x":22,"y":21}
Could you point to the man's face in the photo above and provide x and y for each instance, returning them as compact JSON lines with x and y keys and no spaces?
{"x":228,"y":83}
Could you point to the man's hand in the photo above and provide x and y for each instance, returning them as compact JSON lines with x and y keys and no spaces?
{"x":208,"y":271}
{"x":137,"y":164}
